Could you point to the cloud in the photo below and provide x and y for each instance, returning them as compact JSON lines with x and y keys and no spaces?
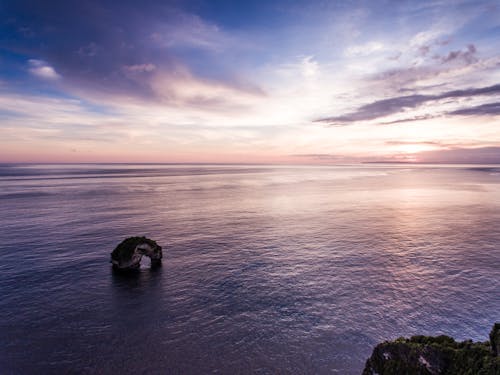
{"x":468,"y":56}
{"x":328,"y":158}
{"x":380,"y":108}
{"x":112,"y":46}
{"x":426,"y":37}
{"x":364,"y":49}
{"x":479,"y":110}
{"x":489,"y":90}
{"x":309,"y":67}
{"x":189,"y":30}
{"x":409,"y":119}
{"x":442,"y":153}
{"x":42,"y":70}
{"x":449,"y":144}
{"x":424,"y":50}
{"x":403,"y":143}
{"x":385,"y":107}
{"x":428,"y":63}
{"x":140,"y":68}
{"x":319,"y":156}
{"x":480,"y":155}
{"x":306,"y":67}
{"x":182,"y":89}
{"x":89,"y":50}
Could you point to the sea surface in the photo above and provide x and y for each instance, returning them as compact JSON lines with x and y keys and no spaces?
{"x":266,"y":270}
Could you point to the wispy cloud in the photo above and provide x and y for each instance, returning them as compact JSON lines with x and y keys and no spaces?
{"x":140,"y":68}
{"x":364,"y":50}
{"x":42,"y":70}
{"x":403,"y":143}
{"x":409,"y":119}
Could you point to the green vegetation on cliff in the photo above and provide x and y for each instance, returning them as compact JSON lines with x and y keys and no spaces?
{"x":424,"y":355}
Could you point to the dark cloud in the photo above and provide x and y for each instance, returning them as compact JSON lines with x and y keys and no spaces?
{"x":481,"y":155}
{"x":399,"y":77}
{"x":489,"y":90}
{"x":385,"y":107}
{"x":480,"y":110}
{"x":378,"y":109}
{"x":448,"y":153}
{"x":424,"y":50}
{"x":467,"y":56}
{"x":442,"y":145}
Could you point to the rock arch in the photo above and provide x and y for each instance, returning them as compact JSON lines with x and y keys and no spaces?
{"x":128,"y":254}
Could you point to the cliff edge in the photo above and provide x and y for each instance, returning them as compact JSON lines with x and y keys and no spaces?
{"x":441,"y":355}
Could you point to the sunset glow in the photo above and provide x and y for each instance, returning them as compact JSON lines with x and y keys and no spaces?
{"x":256,"y":82}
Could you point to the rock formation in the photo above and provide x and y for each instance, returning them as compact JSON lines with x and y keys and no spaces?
{"x":128,"y":254}
{"x":495,"y":339}
{"x":424,"y":355}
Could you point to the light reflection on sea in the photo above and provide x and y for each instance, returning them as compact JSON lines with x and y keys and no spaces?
{"x":267,"y":269}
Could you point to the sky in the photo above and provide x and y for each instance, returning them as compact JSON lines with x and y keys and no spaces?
{"x":250,"y":81}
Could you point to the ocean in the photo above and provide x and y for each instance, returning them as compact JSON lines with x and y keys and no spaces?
{"x":266,"y":269}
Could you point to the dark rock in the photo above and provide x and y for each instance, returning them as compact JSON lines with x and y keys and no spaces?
{"x":495,"y":339}
{"x":128,"y":254}
{"x":425,"y":355}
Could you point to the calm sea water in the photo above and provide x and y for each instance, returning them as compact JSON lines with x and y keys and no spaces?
{"x":266,"y":269}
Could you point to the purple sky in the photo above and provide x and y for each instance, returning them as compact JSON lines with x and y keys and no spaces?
{"x":262,"y":81}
